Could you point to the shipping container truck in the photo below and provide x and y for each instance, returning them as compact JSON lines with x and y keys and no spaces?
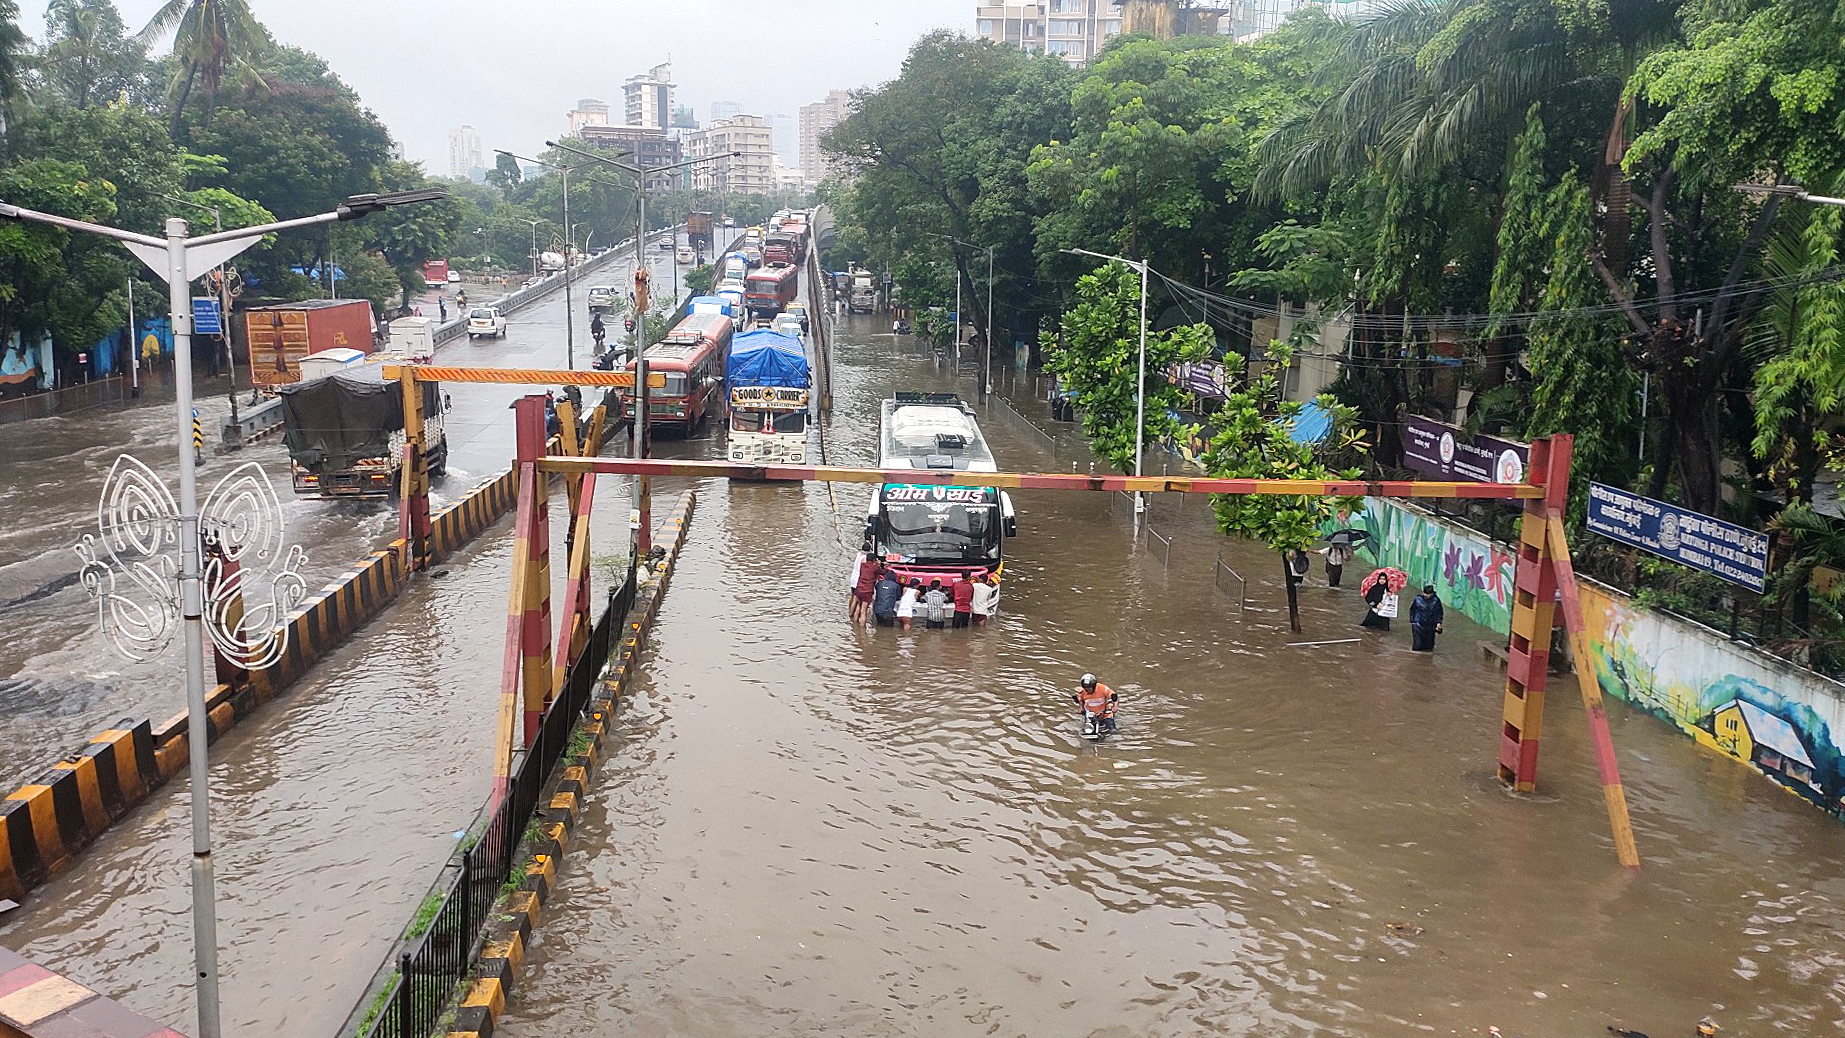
{"x":280,"y":335}
{"x":698,"y":231}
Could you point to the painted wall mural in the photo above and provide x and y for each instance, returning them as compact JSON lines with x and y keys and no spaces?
{"x":1779,"y":719}
{"x":1470,"y":573}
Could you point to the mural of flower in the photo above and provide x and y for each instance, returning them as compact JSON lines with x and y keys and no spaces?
{"x":1476,"y":571}
{"x":1451,"y":563}
{"x":1498,"y":579}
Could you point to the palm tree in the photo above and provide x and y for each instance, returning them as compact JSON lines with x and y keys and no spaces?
{"x":13,"y":45}
{"x":210,"y":37}
{"x":87,"y":56}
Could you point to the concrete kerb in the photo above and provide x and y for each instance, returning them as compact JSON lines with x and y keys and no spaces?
{"x":517,"y":913}
{"x":46,"y":822}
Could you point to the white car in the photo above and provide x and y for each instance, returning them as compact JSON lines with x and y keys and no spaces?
{"x":486,"y":322}
{"x":787,"y":325}
{"x":685,"y":254}
{"x":454,"y":277}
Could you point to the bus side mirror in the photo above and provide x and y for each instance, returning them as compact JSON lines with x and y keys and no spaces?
{"x":1012,"y":527}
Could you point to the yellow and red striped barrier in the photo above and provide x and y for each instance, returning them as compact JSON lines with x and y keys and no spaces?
{"x":524,"y":376}
{"x":1045,"y":480}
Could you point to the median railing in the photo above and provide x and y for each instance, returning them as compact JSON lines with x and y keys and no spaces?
{"x":444,"y":939}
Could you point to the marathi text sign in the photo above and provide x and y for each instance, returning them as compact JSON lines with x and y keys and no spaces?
{"x":1446,"y":453}
{"x":1722,"y":549}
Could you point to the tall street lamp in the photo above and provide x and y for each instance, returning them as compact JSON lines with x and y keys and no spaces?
{"x":224,"y":306}
{"x":570,"y":323}
{"x":534,"y":252}
{"x":1140,"y":391}
{"x":640,"y":537}
{"x":986,"y":361}
{"x":138,"y":518}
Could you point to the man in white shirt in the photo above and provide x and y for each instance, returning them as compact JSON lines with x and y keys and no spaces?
{"x":986,"y":598}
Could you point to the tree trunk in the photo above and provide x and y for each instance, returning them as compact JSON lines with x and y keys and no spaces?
{"x":1287,"y":576}
{"x":1697,"y":449}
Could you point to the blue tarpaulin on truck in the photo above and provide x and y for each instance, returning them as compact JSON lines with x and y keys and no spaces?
{"x":766,"y":358}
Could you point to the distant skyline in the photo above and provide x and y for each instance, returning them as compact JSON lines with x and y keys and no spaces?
{"x":425,"y":71}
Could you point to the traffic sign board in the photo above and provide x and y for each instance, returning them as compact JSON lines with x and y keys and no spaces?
{"x":206,"y":319}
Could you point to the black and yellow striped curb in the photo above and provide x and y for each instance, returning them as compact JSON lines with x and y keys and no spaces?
{"x":512,"y":920}
{"x":45,"y":822}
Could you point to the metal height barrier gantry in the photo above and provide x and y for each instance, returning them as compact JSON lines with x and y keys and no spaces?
{"x":432,"y":969}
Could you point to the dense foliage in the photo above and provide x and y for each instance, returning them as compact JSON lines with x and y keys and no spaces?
{"x":1516,"y":215}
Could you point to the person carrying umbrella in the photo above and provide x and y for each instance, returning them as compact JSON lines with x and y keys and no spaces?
{"x":1340,"y":548}
{"x":1380,"y":591}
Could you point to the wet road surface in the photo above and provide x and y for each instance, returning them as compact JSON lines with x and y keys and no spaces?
{"x":805,"y":829}
{"x":334,"y":806}
{"x":60,"y":683}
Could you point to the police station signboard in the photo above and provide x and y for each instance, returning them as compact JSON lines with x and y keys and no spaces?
{"x":1443,"y":452}
{"x":1736,"y":554}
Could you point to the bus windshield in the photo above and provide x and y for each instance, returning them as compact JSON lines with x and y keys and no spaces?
{"x":933,"y":531}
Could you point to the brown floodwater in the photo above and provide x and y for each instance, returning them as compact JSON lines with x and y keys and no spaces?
{"x":802,"y":828}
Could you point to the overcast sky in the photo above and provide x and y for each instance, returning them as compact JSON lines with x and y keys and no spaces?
{"x":513,"y":70}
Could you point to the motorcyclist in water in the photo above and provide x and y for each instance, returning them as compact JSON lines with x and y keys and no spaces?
{"x":1098,"y":701}
{"x":598,"y":331}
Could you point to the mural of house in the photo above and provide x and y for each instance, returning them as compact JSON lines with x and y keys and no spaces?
{"x":1748,"y":732}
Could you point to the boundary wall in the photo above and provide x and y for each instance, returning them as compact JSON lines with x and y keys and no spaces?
{"x":1782,"y":720}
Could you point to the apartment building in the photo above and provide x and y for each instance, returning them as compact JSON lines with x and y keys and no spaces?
{"x":589,"y":111}
{"x":643,"y":146}
{"x":648,"y":98}
{"x":1071,"y":29}
{"x":464,"y":153}
{"x":816,"y":120}
{"x":748,"y":172}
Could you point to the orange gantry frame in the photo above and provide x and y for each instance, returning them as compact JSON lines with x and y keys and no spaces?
{"x":1543,"y":579}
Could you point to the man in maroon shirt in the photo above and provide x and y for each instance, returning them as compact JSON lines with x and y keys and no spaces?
{"x":963,"y":590}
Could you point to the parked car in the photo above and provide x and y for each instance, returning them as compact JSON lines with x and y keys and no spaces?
{"x":486,"y":322}
{"x":454,"y":276}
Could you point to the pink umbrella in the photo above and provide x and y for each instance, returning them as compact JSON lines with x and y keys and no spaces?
{"x":1395,"y":580}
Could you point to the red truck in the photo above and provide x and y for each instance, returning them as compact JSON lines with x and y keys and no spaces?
{"x":280,"y":335}
{"x":435,"y":273}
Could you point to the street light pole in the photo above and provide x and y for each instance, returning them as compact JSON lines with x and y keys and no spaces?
{"x":640,"y":537}
{"x":570,"y":323}
{"x":1140,"y":391}
{"x":224,"y":305}
{"x":178,"y":258}
{"x":534,"y":253}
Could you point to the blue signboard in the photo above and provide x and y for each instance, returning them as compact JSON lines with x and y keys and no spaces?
{"x":1722,"y":549}
{"x":205,"y":316}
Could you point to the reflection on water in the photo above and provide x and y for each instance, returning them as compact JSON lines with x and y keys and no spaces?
{"x":806,"y":829}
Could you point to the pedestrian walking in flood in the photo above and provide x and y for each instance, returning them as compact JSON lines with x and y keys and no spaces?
{"x":906,"y":604}
{"x":1338,"y":552}
{"x":1298,"y":565}
{"x":986,"y":597}
{"x":936,"y":604}
{"x":1380,"y":590}
{"x":1424,"y":620}
{"x":963,"y":592}
{"x":884,"y":596}
{"x":855,"y":579}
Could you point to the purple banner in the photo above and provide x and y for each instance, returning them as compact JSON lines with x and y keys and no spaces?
{"x":1443,"y":452}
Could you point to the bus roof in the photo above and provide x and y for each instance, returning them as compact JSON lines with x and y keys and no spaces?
{"x":932,"y":431}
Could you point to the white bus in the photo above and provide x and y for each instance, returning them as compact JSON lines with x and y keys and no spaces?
{"x":925,"y":530}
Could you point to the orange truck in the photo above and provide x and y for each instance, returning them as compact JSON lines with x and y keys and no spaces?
{"x":280,"y":335}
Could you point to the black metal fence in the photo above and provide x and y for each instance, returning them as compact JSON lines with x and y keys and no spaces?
{"x":445,"y":943}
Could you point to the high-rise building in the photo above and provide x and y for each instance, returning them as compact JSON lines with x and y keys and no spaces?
{"x":741,"y":156}
{"x":463,"y":151}
{"x":784,"y":137}
{"x":649,"y":97}
{"x":1071,"y":29}
{"x":643,"y":146}
{"x":1246,"y":20}
{"x":589,"y":111}
{"x":816,"y":120}
{"x":1165,"y":19}
{"x":725,"y":110}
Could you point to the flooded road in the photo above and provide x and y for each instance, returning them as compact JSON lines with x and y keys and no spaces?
{"x":334,"y":806}
{"x":60,"y":683}
{"x":806,"y":829}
